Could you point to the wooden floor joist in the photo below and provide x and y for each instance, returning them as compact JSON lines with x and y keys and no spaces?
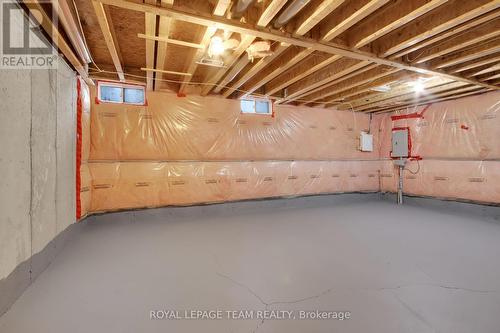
{"x":270,"y":34}
{"x":413,"y":52}
{"x":219,"y":10}
{"x":475,"y":63}
{"x":108,"y":31}
{"x":332,"y":72}
{"x":349,"y":91}
{"x":443,"y":18}
{"x":255,"y":69}
{"x":347,"y":15}
{"x":389,"y":19}
{"x":298,"y":72}
{"x":463,"y":41}
{"x":358,"y":78}
{"x":429,"y":100}
{"x":410,"y":94}
{"x":280,"y":66}
{"x":51,"y":29}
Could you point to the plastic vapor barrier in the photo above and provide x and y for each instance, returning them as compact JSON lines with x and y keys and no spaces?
{"x":189,"y":150}
{"x":192,"y":150}
{"x":459,"y":144}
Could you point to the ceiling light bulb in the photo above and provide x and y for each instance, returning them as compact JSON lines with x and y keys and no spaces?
{"x":216,"y":46}
{"x":418,"y":86}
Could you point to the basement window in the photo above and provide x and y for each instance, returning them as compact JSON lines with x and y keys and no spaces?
{"x":111,"y":92}
{"x":256,"y":106}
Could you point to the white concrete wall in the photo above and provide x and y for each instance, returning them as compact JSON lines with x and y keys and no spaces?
{"x":37,"y":160}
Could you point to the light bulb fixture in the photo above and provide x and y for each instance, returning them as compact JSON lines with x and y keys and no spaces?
{"x":216,"y":46}
{"x":418,"y":86}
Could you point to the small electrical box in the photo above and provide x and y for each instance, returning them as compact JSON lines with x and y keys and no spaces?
{"x":400,"y":142}
{"x":366,"y":142}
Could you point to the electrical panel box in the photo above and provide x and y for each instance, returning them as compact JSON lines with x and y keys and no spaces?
{"x":400,"y":142}
{"x":366,"y":142}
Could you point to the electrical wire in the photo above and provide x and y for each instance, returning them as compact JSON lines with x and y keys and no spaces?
{"x":412,"y":172}
{"x":97,"y":70}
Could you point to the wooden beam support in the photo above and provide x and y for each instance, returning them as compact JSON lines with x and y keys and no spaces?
{"x":409,"y":94}
{"x":243,"y":28}
{"x":39,"y":13}
{"x":164,"y":71}
{"x":357,"y":91}
{"x":332,"y":72}
{"x":270,"y":12}
{"x":299,"y":72}
{"x":161,"y":52}
{"x":150,"y":29}
{"x":473,"y":53}
{"x":255,"y":69}
{"x":171,"y":41}
{"x":108,"y":31}
{"x":242,"y":63}
{"x":219,"y":10}
{"x":448,"y":34}
{"x":229,"y":61}
{"x":389,"y":19}
{"x":475,"y":36}
{"x":398,"y":91}
{"x":331,"y":95}
{"x":348,"y":15}
{"x":287,"y":61}
{"x":443,"y":18}
{"x":315,"y":13}
{"x":429,"y":100}
{"x":475,"y":63}
{"x":489,"y":69}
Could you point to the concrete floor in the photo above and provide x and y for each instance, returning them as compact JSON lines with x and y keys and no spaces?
{"x":395,"y":269}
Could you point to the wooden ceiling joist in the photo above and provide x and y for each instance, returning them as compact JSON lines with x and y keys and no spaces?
{"x":303,"y":69}
{"x":475,"y":63}
{"x":150,"y":29}
{"x":429,"y":100}
{"x":389,"y":19}
{"x":242,"y":63}
{"x":272,"y":7}
{"x":46,"y":23}
{"x":219,"y":10}
{"x":284,"y":63}
{"x":475,"y":36}
{"x":356,"y":80}
{"x":472,"y":53}
{"x":443,"y":18}
{"x":489,"y":69}
{"x":395,"y":92}
{"x":330,"y":73}
{"x":315,"y":13}
{"x":450,"y":33}
{"x":318,"y":10}
{"x":347,"y":15}
{"x":255,"y":69}
{"x":270,"y":11}
{"x":163,"y":32}
{"x":108,"y":31}
{"x":410,"y":95}
{"x":229,"y":61}
{"x":231,"y":25}
{"x":353,"y":91}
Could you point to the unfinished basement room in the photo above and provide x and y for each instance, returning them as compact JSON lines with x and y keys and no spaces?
{"x":250,"y":166}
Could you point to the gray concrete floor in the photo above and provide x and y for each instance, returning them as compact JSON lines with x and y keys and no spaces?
{"x":396,"y":269}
